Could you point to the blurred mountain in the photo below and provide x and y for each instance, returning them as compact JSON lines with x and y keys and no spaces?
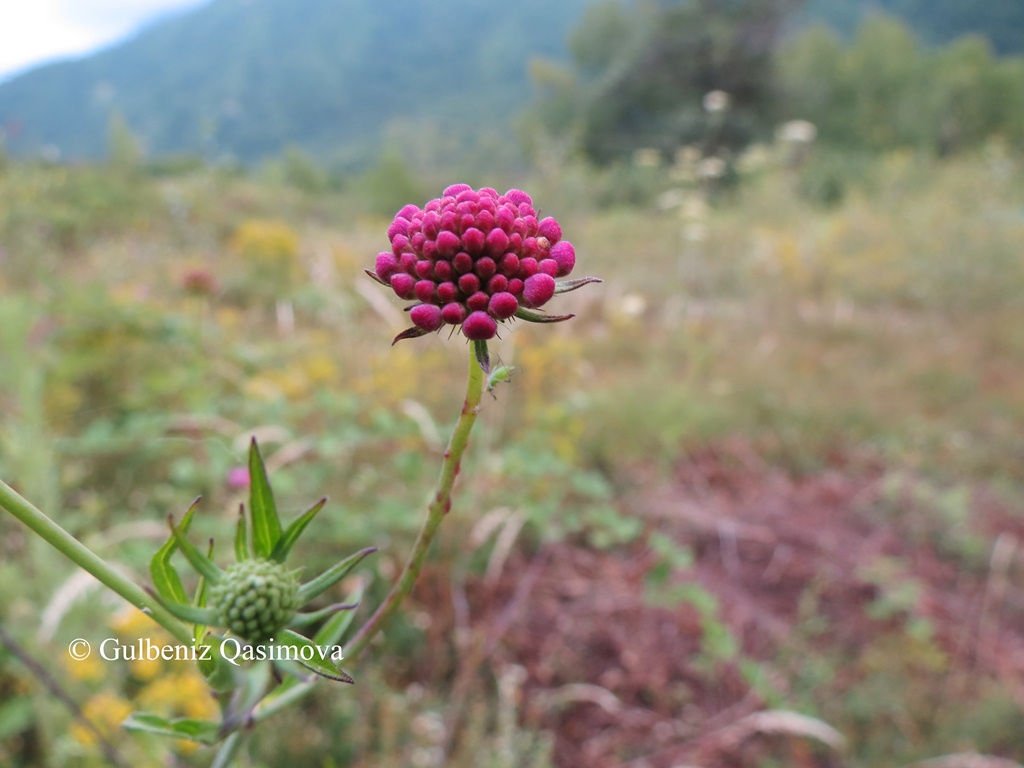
{"x":933,"y":21}
{"x":244,"y":78}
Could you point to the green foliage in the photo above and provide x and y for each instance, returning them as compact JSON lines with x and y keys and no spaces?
{"x":886,"y":90}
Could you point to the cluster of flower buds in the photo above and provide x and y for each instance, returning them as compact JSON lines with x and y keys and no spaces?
{"x":474,"y":258}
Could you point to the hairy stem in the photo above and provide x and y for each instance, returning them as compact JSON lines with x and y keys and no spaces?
{"x":89,"y":561}
{"x":438,"y":508}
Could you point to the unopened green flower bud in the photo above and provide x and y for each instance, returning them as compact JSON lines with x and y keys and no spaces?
{"x":256,"y":598}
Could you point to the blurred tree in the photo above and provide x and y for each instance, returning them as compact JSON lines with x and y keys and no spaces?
{"x":641,"y":70}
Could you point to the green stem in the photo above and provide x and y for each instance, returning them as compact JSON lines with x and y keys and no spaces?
{"x":439,"y":507}
{"x":88,"y":560}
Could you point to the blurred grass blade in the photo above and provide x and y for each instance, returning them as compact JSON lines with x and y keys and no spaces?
{"x":291,"y":535}
{"x":266,"y":525}
{"x":165,"y":576}
{"x":332,"y":576}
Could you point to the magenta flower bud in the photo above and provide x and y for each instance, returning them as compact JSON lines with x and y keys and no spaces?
{"x":467,"y":196}
{"x":538,"y":289}
{"x":429,"y":250}
{"x":527,"y":267}
{"x":497,"y":242}
{"x":423,"y":269}
{"x":424,"y":290}
{"x":426,"y":316}
{"x":431,"y":224}
{"x":503,"y":305}
{"x":473,"y":241}
{"x":455,"y":189}
{"x":416,"y":241}
{"x":443,"y":270}
{"x":448,"y":219}
{"x":238,"y":477}
{"x":453,"y":313}
{"x":506,"y":219}
{"x":565,"y":256}
{"x":469,"y":284}
{"x":467,"y":221}
{"x":462,"y":262}
{"x":399,"y":244}
{"x":497,"y":284}
{"x":479,"y":326}
{"x":407,"y":263}
{"x":531,"y":223}
{"x":447,"y":292}
{"x":404,"y":285}
{"x":530,"y":247}
{"x":387,"y":265}
{"x":515,"y":242}
{"x":485,"y":267}
{"x":485,"y":218}
{"x":518,"y":197}
{"x":515,"y":286}
{"x":550,"y":229}
{"x":509,"y":265}
{"x":478,"y":301}
{"x":548,"y":267}
{"x":408,"y":212}
{"x":399,"y":226}
{"x":447,"y":243}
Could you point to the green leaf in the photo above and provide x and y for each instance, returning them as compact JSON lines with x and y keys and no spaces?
{"x":187,"y":613}
{"x":539,"y":317}
{"x":200,"y":562}
{"x":203,"y":731}
{"x":336,"y":627}
{"x":305,"y":619}
{"x":266,"y":525}
{"x":165,"y":576}
{"x":291,"y":535}
{"x":332,"y":576}
{"x":313,"y":657}
{"x":482,"y":355}
{"x":564,"y":286}
{"x":242,"y":550}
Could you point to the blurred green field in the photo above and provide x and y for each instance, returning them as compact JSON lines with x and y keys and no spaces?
{"x":151,"y":320}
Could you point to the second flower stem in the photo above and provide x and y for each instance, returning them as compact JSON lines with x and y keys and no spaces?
{"x":439,"y":506}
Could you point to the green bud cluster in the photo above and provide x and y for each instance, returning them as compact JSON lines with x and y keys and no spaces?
{"x":256,"y":598}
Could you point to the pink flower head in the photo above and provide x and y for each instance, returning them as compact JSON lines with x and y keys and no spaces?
{"x":238,"y":477}
{"x":474,"y":259}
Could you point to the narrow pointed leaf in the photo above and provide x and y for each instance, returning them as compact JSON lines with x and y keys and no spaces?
{"x":316,"y":659}
{"x":242,"y":549}
{"x":376,"y":277}
{"x":539,"y":317}
{"x":165,"y":576}
{"x":200,"y":562}
{"x":292,"y":533}
{"x":332,"y":576}
{"x":334,"y":628}
{"x":305,"y":619}
{"x":409,"y":333}
{"x":564,"y":286}
{"x":482,"y":355}
{"x":202,"y":731}
{"x":266,"y":525}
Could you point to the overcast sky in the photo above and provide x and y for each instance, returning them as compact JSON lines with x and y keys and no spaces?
{"x":36,"y":31}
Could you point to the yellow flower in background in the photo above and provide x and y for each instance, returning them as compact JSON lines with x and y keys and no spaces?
{"x":87,"y":669}
{"x":106,"y":712}
{"x":270,"y":246}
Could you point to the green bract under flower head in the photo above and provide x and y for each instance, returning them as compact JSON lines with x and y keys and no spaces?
{"x":473,"y":259}
{"x":257,"y":598}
